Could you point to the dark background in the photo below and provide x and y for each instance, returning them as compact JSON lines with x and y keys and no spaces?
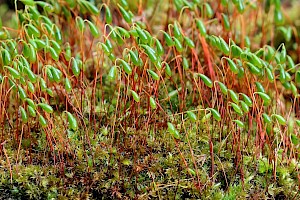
{"x":11,"y":4}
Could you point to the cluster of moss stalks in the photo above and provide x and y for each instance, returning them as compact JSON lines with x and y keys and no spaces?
{"x":183,"y":99}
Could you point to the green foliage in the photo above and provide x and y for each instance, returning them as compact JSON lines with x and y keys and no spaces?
{"x":138,"y":99}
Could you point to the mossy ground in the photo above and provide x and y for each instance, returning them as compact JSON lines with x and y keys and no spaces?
{"x":195,"y":140}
